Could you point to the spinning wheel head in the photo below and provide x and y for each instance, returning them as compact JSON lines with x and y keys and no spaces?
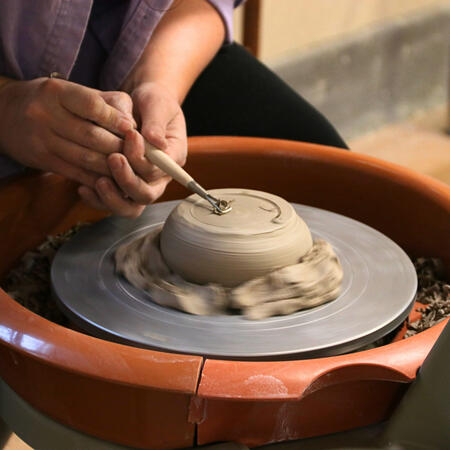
{"x":377,"y":293}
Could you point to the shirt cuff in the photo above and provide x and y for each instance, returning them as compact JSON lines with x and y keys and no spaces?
{"x":225,"y":9}
{"x":9,"y":167}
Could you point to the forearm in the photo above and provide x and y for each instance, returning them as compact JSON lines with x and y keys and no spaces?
{"x":185,"y":41}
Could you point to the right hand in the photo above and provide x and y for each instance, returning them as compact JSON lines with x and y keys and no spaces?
{"x":59,"y":126}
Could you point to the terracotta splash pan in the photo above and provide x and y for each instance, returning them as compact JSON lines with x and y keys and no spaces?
{"x":148,"y":399}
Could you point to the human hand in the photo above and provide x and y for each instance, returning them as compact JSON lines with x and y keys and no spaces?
{"x":162,"y":123}
{"x":59,"y":126}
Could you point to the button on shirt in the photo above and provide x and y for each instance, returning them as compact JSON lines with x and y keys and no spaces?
{"x":45,"y":36}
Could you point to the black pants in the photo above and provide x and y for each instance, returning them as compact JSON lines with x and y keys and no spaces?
{"x":236,"y":95}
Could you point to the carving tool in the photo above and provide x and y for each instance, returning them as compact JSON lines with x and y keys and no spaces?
{"x":169,"y":166}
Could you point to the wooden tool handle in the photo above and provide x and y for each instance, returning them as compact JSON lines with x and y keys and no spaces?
{"x":167,"y":164}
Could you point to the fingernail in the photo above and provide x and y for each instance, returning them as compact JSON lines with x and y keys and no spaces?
{"x":116,"y":163}
{"x":125,"y":125}
{"x":130,"y":119}
{"x":130,"y":134}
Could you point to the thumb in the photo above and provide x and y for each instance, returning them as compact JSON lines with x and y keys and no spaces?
{"x":156,"y":113}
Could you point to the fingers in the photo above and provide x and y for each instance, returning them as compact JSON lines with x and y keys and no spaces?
{"x":85,"y":133}
{"x":90,"y":197}
{"x":163,"y":123}
{"x":133,"y":149}
{"x":121,"y":101}
{"x":113,"y":199}
{"x":58,"y":165}
{"x":88,"y":104}
{"x":107,"y":196}
{"x":132,"y":185}
{"x":79,"y":156}
{"x":177,"y":139}
{"x":128,"y":194}
{"x":156,"y":112}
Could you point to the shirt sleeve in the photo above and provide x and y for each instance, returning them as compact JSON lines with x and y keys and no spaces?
{"x":225,"y":9}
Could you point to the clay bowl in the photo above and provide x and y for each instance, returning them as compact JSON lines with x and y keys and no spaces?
{"x":147,"y":399}
{"x":260,"y":234}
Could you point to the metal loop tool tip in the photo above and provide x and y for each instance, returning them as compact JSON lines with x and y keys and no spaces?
{"x":220,"y":207}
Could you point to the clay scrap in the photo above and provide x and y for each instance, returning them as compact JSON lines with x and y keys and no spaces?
{"x":314,"y":280}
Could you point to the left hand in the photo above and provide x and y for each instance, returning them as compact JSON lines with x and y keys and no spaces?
{"x":135,"y":181}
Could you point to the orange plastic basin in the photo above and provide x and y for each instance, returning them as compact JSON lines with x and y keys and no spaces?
{"x":148,"y":399}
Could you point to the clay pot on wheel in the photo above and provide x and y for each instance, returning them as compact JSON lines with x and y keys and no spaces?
{"x":260,"y":234}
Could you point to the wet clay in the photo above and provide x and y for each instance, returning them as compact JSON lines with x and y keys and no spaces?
{"x":261,"y":233}
{"x":314,"y":280}
{"x":258,"y":260}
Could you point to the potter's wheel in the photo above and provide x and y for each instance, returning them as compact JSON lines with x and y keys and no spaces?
{"x":377,"y":293}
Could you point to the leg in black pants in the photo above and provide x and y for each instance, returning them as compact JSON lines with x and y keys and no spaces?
{"x":236,"y":95}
